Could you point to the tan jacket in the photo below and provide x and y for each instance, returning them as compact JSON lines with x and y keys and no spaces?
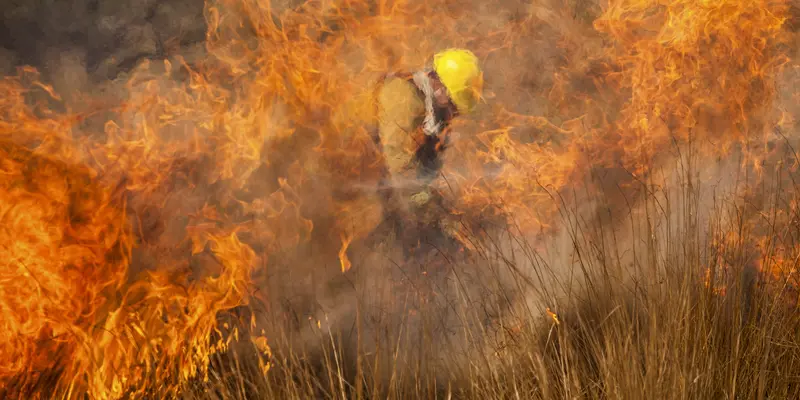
{"x":411,"y":138}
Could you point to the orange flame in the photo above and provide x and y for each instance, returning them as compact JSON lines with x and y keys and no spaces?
{"x":345,"y":262}
{"x":127,"y":229}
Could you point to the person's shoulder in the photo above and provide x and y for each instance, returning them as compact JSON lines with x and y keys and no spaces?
{"x":397,"y":77}
{"x":402,"y":75}
{"x":398,"y":83}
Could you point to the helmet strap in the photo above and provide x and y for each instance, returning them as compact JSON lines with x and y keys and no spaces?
{"x":451,"y":110}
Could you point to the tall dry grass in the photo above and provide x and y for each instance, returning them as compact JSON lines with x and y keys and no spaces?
{"x":652,"y":289}
{"x":661,"y":296}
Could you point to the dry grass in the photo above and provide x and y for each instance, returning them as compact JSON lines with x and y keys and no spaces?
{"x":634,"y":318}
{"x":656,"y":292}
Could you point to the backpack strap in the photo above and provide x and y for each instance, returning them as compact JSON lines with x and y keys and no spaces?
{"x":431,"y":125}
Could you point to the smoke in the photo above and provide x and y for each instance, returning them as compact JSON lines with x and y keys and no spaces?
{"x":269,"y":135}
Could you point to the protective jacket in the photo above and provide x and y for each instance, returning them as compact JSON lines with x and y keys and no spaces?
{"x":411,"y":134}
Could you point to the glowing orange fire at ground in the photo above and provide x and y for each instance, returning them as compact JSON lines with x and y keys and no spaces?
{"x":268,"y":142}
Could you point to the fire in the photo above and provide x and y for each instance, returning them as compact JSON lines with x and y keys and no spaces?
{"x":63,"y":261}
{"x":126,"y":229}
{"x":346,"y":264}
{"x":700,"y":71}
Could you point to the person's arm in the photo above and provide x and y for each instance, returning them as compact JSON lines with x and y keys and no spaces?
{"x":399,"y":110}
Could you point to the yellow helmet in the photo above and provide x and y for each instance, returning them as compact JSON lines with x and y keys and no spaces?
{"x":461,"y":74}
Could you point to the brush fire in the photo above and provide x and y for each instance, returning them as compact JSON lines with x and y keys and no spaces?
{"x":137,"y":211}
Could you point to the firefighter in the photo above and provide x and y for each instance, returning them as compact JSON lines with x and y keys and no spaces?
{"x":414,"y":113}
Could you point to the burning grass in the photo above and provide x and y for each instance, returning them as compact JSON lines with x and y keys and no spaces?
{"x":210,"y":227}
{"x":628,"y":318}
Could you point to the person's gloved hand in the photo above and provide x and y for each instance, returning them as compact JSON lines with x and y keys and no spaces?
{"x":421,"y":198}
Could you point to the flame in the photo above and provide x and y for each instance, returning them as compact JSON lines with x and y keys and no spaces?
{"x":699,"y":70}
{"x":63,"y":262}
{"x":345,"y":262}
{"x":553,"y":316}
{"x":126,"y":229}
